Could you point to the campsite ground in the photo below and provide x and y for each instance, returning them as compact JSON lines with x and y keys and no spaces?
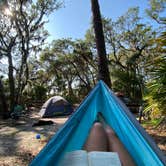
{"x":18,"y":143}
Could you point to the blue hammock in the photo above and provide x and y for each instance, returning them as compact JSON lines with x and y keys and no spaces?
{"x":74,"y":133}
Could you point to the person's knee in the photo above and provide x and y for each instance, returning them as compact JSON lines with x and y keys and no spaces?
{"x":97,"y":140}
{"x":110,"y":132}
{"x":98,"y":129}
{"x":97,"y":125}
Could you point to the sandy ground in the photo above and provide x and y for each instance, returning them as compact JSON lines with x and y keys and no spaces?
{"x":18,"y":143}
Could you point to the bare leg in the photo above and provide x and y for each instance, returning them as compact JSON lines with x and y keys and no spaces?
{"x":116,"y":146}
{"x":101,"y":139}
{"x":97,"y":140}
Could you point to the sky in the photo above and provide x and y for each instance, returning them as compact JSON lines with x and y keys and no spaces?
{"x":73,"y":20}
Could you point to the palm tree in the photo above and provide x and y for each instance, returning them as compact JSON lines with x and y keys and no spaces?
{"x":100,"y":44}
{"x":156,"y":96}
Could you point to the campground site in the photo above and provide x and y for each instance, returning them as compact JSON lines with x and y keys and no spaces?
{"x":82,"y":76}
{"x":19,"y":146}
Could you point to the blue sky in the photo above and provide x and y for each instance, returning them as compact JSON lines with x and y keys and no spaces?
{"x":74,"y":19}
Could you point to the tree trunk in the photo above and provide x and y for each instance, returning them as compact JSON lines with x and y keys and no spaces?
{"x":70,"y":89}
{"x":11,"y":82}
{"x":22,"y":77}
{"x":5,"y":113}
{"x":19,"y":82}
{"x":100,"y":44}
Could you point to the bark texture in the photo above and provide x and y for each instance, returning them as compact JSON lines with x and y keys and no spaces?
{"x":100,"y":44}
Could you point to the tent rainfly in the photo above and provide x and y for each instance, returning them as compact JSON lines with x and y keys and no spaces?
{"x":55,"y":106}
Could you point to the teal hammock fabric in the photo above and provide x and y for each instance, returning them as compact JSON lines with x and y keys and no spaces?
{"x":73,"y":134}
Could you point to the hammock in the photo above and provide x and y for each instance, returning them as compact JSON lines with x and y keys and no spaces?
{"x":74,"y":133}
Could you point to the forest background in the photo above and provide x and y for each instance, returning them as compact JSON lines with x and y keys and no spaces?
{"x":31,"y":69}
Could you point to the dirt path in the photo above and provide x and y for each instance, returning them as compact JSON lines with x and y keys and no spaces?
{"x":18,"y":143}
{"x":159,"y":136}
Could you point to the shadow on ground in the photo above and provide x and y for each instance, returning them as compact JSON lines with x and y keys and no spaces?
{"x":18,"y":143}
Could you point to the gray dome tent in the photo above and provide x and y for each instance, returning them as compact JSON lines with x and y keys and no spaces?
{"x":55,"y":106}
